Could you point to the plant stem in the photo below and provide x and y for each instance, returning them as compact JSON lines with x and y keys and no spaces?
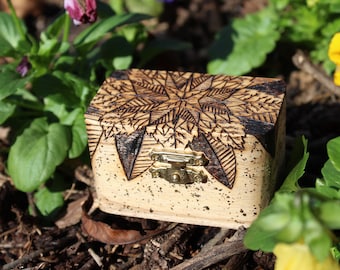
{"x":66,"y":28}
{"x":16,"y":20}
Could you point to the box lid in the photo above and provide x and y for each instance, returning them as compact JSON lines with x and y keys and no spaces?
{"x":146,"y":110}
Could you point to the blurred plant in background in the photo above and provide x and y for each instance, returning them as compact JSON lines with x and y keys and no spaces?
{"x":245,"y":43}
{"x":302,"y":220}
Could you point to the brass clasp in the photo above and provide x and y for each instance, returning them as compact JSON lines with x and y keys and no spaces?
{"x":178,"y":172}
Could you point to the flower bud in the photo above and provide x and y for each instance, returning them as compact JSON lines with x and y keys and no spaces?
{"x":24,"y":66}
{"x":81,"y":11}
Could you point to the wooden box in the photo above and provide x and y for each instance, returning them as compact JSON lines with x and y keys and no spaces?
{"x":186,"y":147}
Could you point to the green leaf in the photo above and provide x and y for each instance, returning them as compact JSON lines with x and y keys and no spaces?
{"x":54,"y":29}
{"x":331,"y":175}
{"x":6,"y":110}
{"x":290,"y":184}
{"x":48,"y":201}
{"x":314,"y":234}
{"x":158,"y":46}
{"x":244,"y":44}
{"x":81,"y":88}
{"x":91,"y":35}
{"x":116,"y":52}
{"x":10,"y":37}
{"x":263,"y":231}
{"x":256,"y":239}
{"x":10,"y":82}
{"x":56,"y":93}
{"x":333,"y":150}
{"x":122,"y":62}
{"x":36,"y":153}
{"x":79,"y":137}
{"x":320,"y":246}
{"x":324,"y":190}
{"x":329,"y":214}
{"x":302,"y":23}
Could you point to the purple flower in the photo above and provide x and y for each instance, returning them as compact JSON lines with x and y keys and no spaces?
{"x":24,"y":66}
{"x":81,"y":11}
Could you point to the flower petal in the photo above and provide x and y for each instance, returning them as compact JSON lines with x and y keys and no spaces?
{"x":334,"y":49}
{"x":297,"y":256}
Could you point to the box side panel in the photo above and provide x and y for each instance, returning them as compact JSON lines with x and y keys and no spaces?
{"x":210,"y":203}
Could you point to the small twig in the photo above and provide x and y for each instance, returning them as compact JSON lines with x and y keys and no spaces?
{"x":217,"y":238}
{"x":212,"y":256}
{"x":302,"y":62}
{"x":30,"y":257}
{"x":174,"y":238}
{"x":94,"y":255}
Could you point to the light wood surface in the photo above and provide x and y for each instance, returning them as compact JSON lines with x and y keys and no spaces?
{"x":237,"y":123}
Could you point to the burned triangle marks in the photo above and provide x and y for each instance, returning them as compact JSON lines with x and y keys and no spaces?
{"x":128,"y":147}
{"x":221,"y":165}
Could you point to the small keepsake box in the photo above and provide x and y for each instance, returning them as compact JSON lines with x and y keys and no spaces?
{"x":186,"y":147}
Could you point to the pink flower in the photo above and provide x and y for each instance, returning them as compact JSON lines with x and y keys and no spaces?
{"x":81,"y":11}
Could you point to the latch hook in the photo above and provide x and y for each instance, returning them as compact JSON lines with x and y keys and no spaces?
{"x":179,"y":172}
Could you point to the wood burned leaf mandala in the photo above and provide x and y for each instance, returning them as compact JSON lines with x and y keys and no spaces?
{"x":144,"y":109}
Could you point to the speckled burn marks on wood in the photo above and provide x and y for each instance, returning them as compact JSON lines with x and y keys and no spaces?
{"x":144,"y":109}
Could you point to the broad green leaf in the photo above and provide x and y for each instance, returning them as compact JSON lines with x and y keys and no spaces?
{"x":333,"y":150}
{"x":82,"y":89}
{"x":10,"y":37}
{"x":55,"y":92}
{"x":326,"y":191}
{"x":158,"y":46}
{"x":290,"y":184}
{"x":331,"y":175}
{"x":86,"y":39}
{"x":244,"y":44}
{"x":10,"y":82}
{"x":79,"y":137}
{"x":37,"y":152}
{"x":48,"y":201}
{"x":6,"y":110}
{"x":329,"y":214}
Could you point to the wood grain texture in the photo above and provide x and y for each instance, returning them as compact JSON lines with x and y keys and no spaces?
{"x":178,"y":109}
{"x":238,"y":123}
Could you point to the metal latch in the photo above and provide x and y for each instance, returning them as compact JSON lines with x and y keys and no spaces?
{"x":178,"y":172}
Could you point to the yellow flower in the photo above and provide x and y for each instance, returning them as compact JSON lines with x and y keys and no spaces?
{"x":297,"y":256}
{"x":334,"y":56}
{"x":334,"y":49}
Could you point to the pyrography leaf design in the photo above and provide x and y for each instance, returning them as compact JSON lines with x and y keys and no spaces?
{"x":142,"y":109}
